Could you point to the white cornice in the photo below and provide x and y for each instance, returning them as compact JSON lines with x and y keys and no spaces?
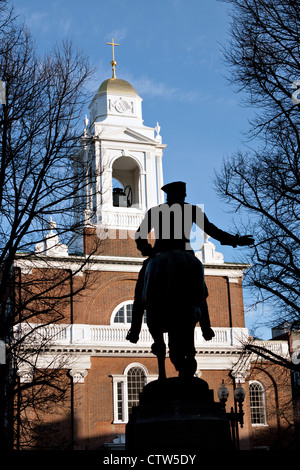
{"x":121,"y":134}
{"x":79,"y":264}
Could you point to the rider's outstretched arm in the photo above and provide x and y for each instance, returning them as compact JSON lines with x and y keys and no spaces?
{"x":223,"y":237}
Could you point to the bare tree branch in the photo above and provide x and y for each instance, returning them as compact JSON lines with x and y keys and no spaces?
{"x":40,"y":139}
{"x":263,"y":184}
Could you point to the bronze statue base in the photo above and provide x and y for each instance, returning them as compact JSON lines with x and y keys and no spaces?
{"x":177,"y":415}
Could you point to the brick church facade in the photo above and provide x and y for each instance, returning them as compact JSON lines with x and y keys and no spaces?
{"x":101,"y":372}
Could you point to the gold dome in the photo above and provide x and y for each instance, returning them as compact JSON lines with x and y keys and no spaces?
{"x":117,"y":85}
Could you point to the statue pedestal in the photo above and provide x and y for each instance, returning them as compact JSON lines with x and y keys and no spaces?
{"x":177,"y":416}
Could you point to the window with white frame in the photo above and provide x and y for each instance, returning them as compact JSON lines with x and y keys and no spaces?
{"x":257,"y":403}
{"x":123,"y":313}
{"x":136,"y":379}
{"x":126,"y":390}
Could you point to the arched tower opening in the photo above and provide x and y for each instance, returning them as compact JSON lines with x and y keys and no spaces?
{"x":126,"y":182}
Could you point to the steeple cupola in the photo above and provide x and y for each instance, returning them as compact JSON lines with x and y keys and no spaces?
{"x":116,"y":102}
{"x":122,"y":156}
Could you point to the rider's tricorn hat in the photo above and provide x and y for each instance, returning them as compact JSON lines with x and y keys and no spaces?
{"x":175,"y":188}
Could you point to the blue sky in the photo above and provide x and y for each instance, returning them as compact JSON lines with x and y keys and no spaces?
{"x":170,"y":51}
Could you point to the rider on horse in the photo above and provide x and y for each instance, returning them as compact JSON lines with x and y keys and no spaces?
{"x":172,"y":223}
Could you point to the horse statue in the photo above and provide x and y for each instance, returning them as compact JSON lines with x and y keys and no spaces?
{"x":171,"y":286}
{"x":174,"y":297}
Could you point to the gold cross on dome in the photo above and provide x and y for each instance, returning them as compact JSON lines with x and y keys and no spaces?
{"x":113,"y":62}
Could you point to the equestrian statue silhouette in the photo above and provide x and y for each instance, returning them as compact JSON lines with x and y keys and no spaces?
{"x":171,"y":288}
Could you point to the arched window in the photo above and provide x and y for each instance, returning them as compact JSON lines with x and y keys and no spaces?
{"x":257,"y":403}
{"x":123,"y":313}
{"x":136,"y":379}
{"x":127,"y":388}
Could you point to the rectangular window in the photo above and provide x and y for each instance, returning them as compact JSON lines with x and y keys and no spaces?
{"x":257,"y":404}
{"x":136,"y":381}
{"x":120,"y":401}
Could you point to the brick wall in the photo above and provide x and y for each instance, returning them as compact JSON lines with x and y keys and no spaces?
{"x":278,"y":431}
{"x":110,"y":243}
{"x":225,"y":302}
{"x":105,"y":291}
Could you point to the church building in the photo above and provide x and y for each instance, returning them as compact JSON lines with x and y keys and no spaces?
{"x":103,"y":372}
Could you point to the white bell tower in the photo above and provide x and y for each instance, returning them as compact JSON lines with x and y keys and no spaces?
{"x":123,"y":158}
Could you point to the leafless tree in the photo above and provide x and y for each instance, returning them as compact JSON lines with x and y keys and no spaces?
{"x":40,"y":136}
{"x":262,"y":182}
